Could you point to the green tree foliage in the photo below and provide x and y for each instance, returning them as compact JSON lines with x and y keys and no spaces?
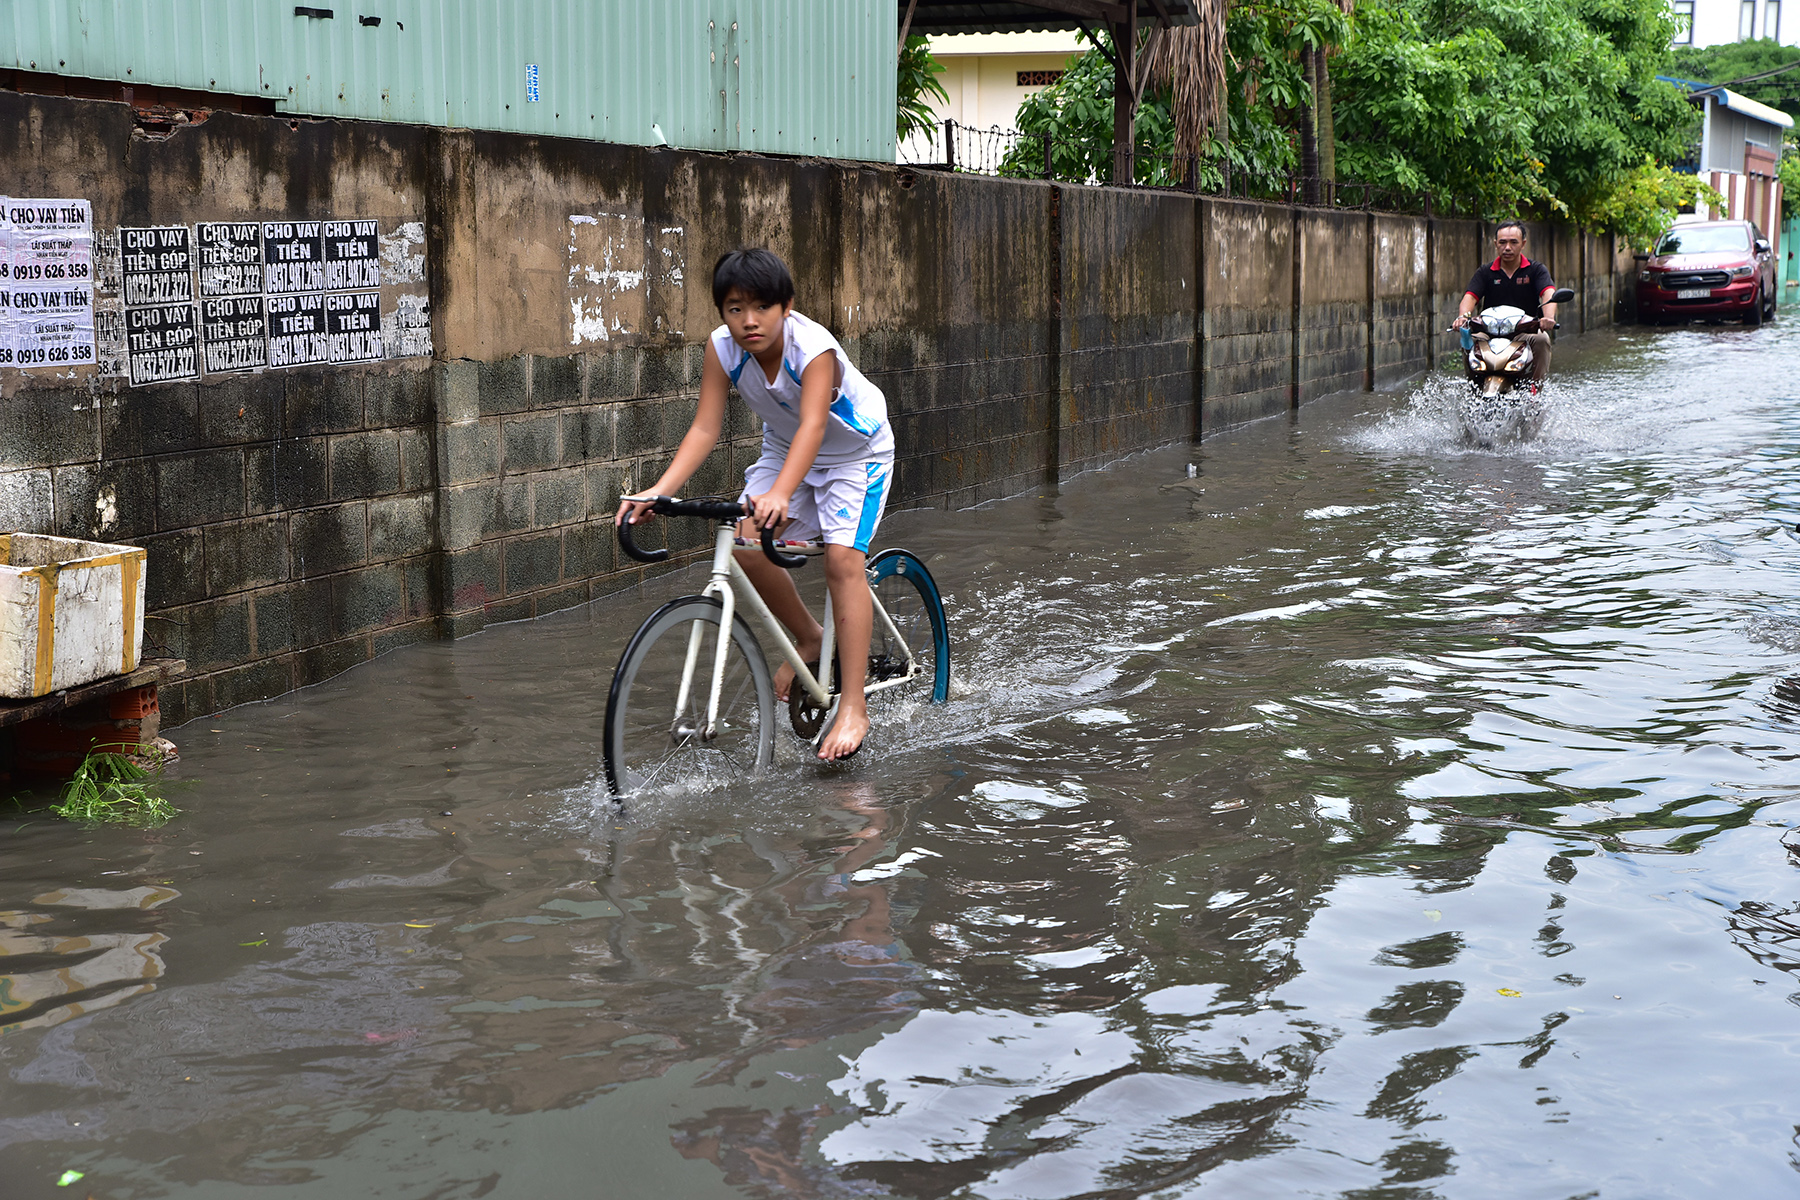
{"x":1641,"y":204}
{"x":1266,"y":86}
{"x":1547,"y":107}
{"x":1076,"y":111}
{"x":1735,"y":60}
{"x":917,"y":83}
{"x":1790,"y":182}
{"x":1434,"y":115}
{"x":1517,"y":104}
{"x":1269,"y":100}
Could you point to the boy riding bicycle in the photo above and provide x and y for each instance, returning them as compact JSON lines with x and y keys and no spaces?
{"x":827,"y":457}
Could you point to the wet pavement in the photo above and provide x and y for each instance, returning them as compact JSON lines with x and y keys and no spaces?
{"x":1365,"y":816}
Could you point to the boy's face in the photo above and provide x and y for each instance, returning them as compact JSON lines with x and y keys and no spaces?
{"x":753,"y":324}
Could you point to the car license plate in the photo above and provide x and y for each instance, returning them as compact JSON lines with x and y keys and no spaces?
{"x":1693,"y":294}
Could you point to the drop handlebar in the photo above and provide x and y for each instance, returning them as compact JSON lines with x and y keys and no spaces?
{"x":711,"y":507}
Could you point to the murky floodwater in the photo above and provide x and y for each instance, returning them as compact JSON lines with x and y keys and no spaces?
{"x":1367,"y":817}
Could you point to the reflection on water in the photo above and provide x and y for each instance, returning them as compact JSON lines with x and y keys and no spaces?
{"x":1367,"y":815}
{"x":54,"y":966}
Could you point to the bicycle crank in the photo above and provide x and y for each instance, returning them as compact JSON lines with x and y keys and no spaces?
{"x":807,"y":716}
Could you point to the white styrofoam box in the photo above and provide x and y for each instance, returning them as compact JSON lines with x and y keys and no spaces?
{"x":71,"y":612}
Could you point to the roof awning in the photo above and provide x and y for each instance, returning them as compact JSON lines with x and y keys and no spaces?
{"x":1737,"y":102}
{"x":959,"y":16}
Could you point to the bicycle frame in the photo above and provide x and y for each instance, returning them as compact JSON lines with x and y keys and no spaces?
{"x":728,"y":584}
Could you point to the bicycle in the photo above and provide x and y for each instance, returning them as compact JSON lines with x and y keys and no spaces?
{"x":660,"y":725}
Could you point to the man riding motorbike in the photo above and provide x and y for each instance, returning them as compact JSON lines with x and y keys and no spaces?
{"x":1515,"y":280}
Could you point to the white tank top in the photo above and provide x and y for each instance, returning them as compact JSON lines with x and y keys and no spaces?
{"x":857,"y":428}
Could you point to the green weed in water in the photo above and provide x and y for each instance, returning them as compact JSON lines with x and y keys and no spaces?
{"x":111,"y":789}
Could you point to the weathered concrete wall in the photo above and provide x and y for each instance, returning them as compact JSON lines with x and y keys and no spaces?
{"x":1457,"y":247}
{"x":1246,"y":271}
{"x":288,"y":515}
{"x":300,"y":521}
{"x":1595,"y":291}
{"x":1401,"y":331}
{"x":954,"y":318}
{"x":1331,"y":312}
{"x":1127,"y":358}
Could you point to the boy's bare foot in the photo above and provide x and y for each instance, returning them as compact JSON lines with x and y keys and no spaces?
{"x":847,"y":732}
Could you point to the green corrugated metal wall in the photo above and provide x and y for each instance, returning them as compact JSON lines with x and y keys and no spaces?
{"x":784,"y":76}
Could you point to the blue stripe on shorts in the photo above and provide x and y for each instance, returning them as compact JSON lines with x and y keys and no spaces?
{"x":865,"y":528}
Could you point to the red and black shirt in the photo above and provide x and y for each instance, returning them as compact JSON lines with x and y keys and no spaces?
{"x":1492,"y":286}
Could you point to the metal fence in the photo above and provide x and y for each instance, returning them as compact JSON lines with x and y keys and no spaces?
{"x":1012,"y":153}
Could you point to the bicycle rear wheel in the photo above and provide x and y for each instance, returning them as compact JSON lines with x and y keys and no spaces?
{"x":910,"y":595}
{"x":651,"y":741}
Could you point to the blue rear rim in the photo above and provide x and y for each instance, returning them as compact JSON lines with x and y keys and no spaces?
{"x":907,"y":565}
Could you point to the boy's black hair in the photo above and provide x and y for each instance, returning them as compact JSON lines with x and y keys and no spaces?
{"x":1512,"y":224}
{"x":756,"y":273}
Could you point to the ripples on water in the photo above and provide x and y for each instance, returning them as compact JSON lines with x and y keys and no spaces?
{"x":1367,"y":816}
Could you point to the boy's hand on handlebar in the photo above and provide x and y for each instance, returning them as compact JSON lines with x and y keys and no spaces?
{"x":1462,"y":320}
{"x":769,"y":509}
{"x":634,"y":511}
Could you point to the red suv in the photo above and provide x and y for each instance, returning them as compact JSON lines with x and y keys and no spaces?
{"x":1708,"y":269}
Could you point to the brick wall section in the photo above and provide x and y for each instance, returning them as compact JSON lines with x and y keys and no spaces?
{"x":1127,"y":353}
{"x":534,"y":453}
{"x":299,"y":522}
{"x":1332,"y":315}
{"x":1247,"y":310}
{"x":967,"y":362}
{"x":288,"y":517}
{"x":1457,"y":248}
{"x":1401,"y":323}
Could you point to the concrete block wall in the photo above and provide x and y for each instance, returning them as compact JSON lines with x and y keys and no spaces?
{"x":957,"y":325}
{"x":1614,"y":270}
{"x":1246,"y":321}
{"x":1332,"y":309}
{"x":302,"y":521}
{"x":288,"y":515}
{"x":1457,"y":248}
{"x":288,"y":518}
{"x":1595,"y":287}
{"x":1128,"y":354}
{"x":1402,"y":323}
{"x":533,"y":454}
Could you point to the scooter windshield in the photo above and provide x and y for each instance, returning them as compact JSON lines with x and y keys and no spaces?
{"x":1502,"y":319}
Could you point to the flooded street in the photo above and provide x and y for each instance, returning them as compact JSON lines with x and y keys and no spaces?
{"x":1366,"y":816}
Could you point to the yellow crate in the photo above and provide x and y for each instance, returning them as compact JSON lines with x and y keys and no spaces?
{"x":71,"y":612}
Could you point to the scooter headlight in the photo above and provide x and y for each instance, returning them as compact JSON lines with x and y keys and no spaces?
{"x":1474,"y":360}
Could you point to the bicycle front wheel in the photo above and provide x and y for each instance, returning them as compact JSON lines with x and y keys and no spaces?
{"x":910,"y":597}
{"x":656,"y":737}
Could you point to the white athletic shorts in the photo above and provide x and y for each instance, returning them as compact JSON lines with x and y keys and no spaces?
{"x":840,"y":506}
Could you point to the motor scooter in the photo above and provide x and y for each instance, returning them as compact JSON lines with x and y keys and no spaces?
{"x":1502,"y":404}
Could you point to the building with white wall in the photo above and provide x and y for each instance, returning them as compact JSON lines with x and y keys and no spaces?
{"x":1740,"y":152}
{"x":988,"y":76}
{"x":1713,"y":22}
